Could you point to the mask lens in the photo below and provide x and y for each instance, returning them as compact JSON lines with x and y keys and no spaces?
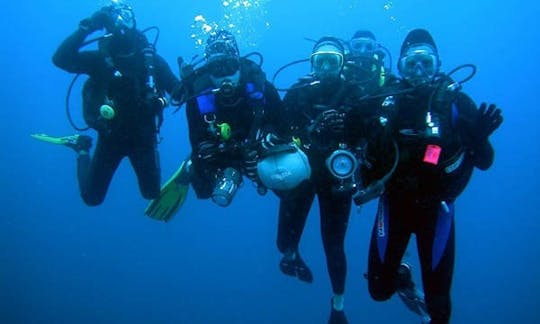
{"x":419,"y":64}
{"x":326,"y":62}
{"x":124,"y":17}
{"x":362,"y":45}
{"x":223,"y":67}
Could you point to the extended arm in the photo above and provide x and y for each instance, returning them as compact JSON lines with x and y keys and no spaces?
{"x":478,"y":125}
{"x":69,"y":58}
{"x":166,"y":79}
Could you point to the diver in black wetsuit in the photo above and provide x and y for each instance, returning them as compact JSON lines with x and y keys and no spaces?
{"x":230,"y":107}
{"x":336,"y":129}
{"x":121,"y":100}
{"x":442,"y":137}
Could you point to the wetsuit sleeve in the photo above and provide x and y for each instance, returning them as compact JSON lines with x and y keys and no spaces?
{"x":69,"y":58}
{"x":273,"y":109}
{"x":165,"y":77}
{"x":196,"y":124}
{"x":292,"y":115}
{"x":380,"y":151}
{"x":481,"y":152}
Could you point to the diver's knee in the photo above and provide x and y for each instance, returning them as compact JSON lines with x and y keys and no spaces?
{"x":92,"y":200}
{"x":379,"y":290}
{"x":379,"y":295}
{"x":150,"y":194}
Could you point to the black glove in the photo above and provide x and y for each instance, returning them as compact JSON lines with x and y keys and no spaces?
{"x":251,"y":158}
{"x":155,"y":102}
{"x":208,"y":151}
{"x":186,"y":71}
{"x":270,"y":140}
{"x":487,"y":122}
{"x":330,"y":121}
{"x":99,"y":20}
{"x":369,"y":193}
{"x":249,"y":169}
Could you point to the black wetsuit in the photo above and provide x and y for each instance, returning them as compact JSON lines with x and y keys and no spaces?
{"x":250,"y":107}
{"x":436,"y":163}
{"x":132,"y":132}
{"x":359,"y":129}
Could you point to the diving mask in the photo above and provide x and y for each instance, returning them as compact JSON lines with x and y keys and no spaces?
{"x":327,"y":63}
{"x":362,"y":46}
{"x":122,"y":16}
{"x":419,"y":64}
{"x":223,"y":66}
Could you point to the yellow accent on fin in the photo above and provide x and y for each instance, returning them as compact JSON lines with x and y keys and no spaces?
{"x":172,"y":195}
{"x":55,"y":140}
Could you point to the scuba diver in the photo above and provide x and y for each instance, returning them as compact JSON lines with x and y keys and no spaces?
{"x":230,"y":107}
{"x":366,"y":62}
{"x":442,"y":137}
{"x":338,"y":131}
{"x":122,"y":99}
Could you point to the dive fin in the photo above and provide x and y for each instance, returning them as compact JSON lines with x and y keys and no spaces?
{"x":414,"y":300}
{"x":409,"y":294}
{"x":292,"y":265}
{"x":172,"y":195}
{"x":79,"y":143}
{"x":63,"y":140}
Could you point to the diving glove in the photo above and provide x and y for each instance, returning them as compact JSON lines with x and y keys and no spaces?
{"x":489,"y":119}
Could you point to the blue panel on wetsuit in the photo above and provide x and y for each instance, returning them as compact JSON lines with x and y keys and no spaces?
{"x":382,"y":226}
{"x":207,"y":103}
{"x":442,"y":233}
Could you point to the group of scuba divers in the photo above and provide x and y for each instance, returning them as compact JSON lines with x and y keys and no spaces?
{"x":348,"y":132}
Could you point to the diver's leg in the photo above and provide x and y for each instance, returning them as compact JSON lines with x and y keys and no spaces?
{"x":95,"y":175}
{"x":145,"y":162}
{"x":389,"y":239}
{"x":334,"y":212}
{"x":81,"y":144}
{"x":202,"y":177}
{"x":436,"y":246}
{"x":294,"y":208}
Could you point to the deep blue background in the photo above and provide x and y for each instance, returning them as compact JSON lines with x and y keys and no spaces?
{"x":63,"y":262}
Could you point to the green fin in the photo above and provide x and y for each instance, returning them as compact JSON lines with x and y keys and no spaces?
{"x":172,"y":195}
{"x":56,"y":140}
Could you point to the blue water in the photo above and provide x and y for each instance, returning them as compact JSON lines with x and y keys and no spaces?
{"x":63,"y":262}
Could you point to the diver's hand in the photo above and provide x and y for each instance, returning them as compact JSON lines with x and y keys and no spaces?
{"x":270,"y":140}
{"x":489,"y":119}
{"x":155,"y":102}
{"x":99,"y":20}
{"x":207,"y":151}
{"x":368,"y":193}
{"x":331,"y":122}
{"x":186,"y":70}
